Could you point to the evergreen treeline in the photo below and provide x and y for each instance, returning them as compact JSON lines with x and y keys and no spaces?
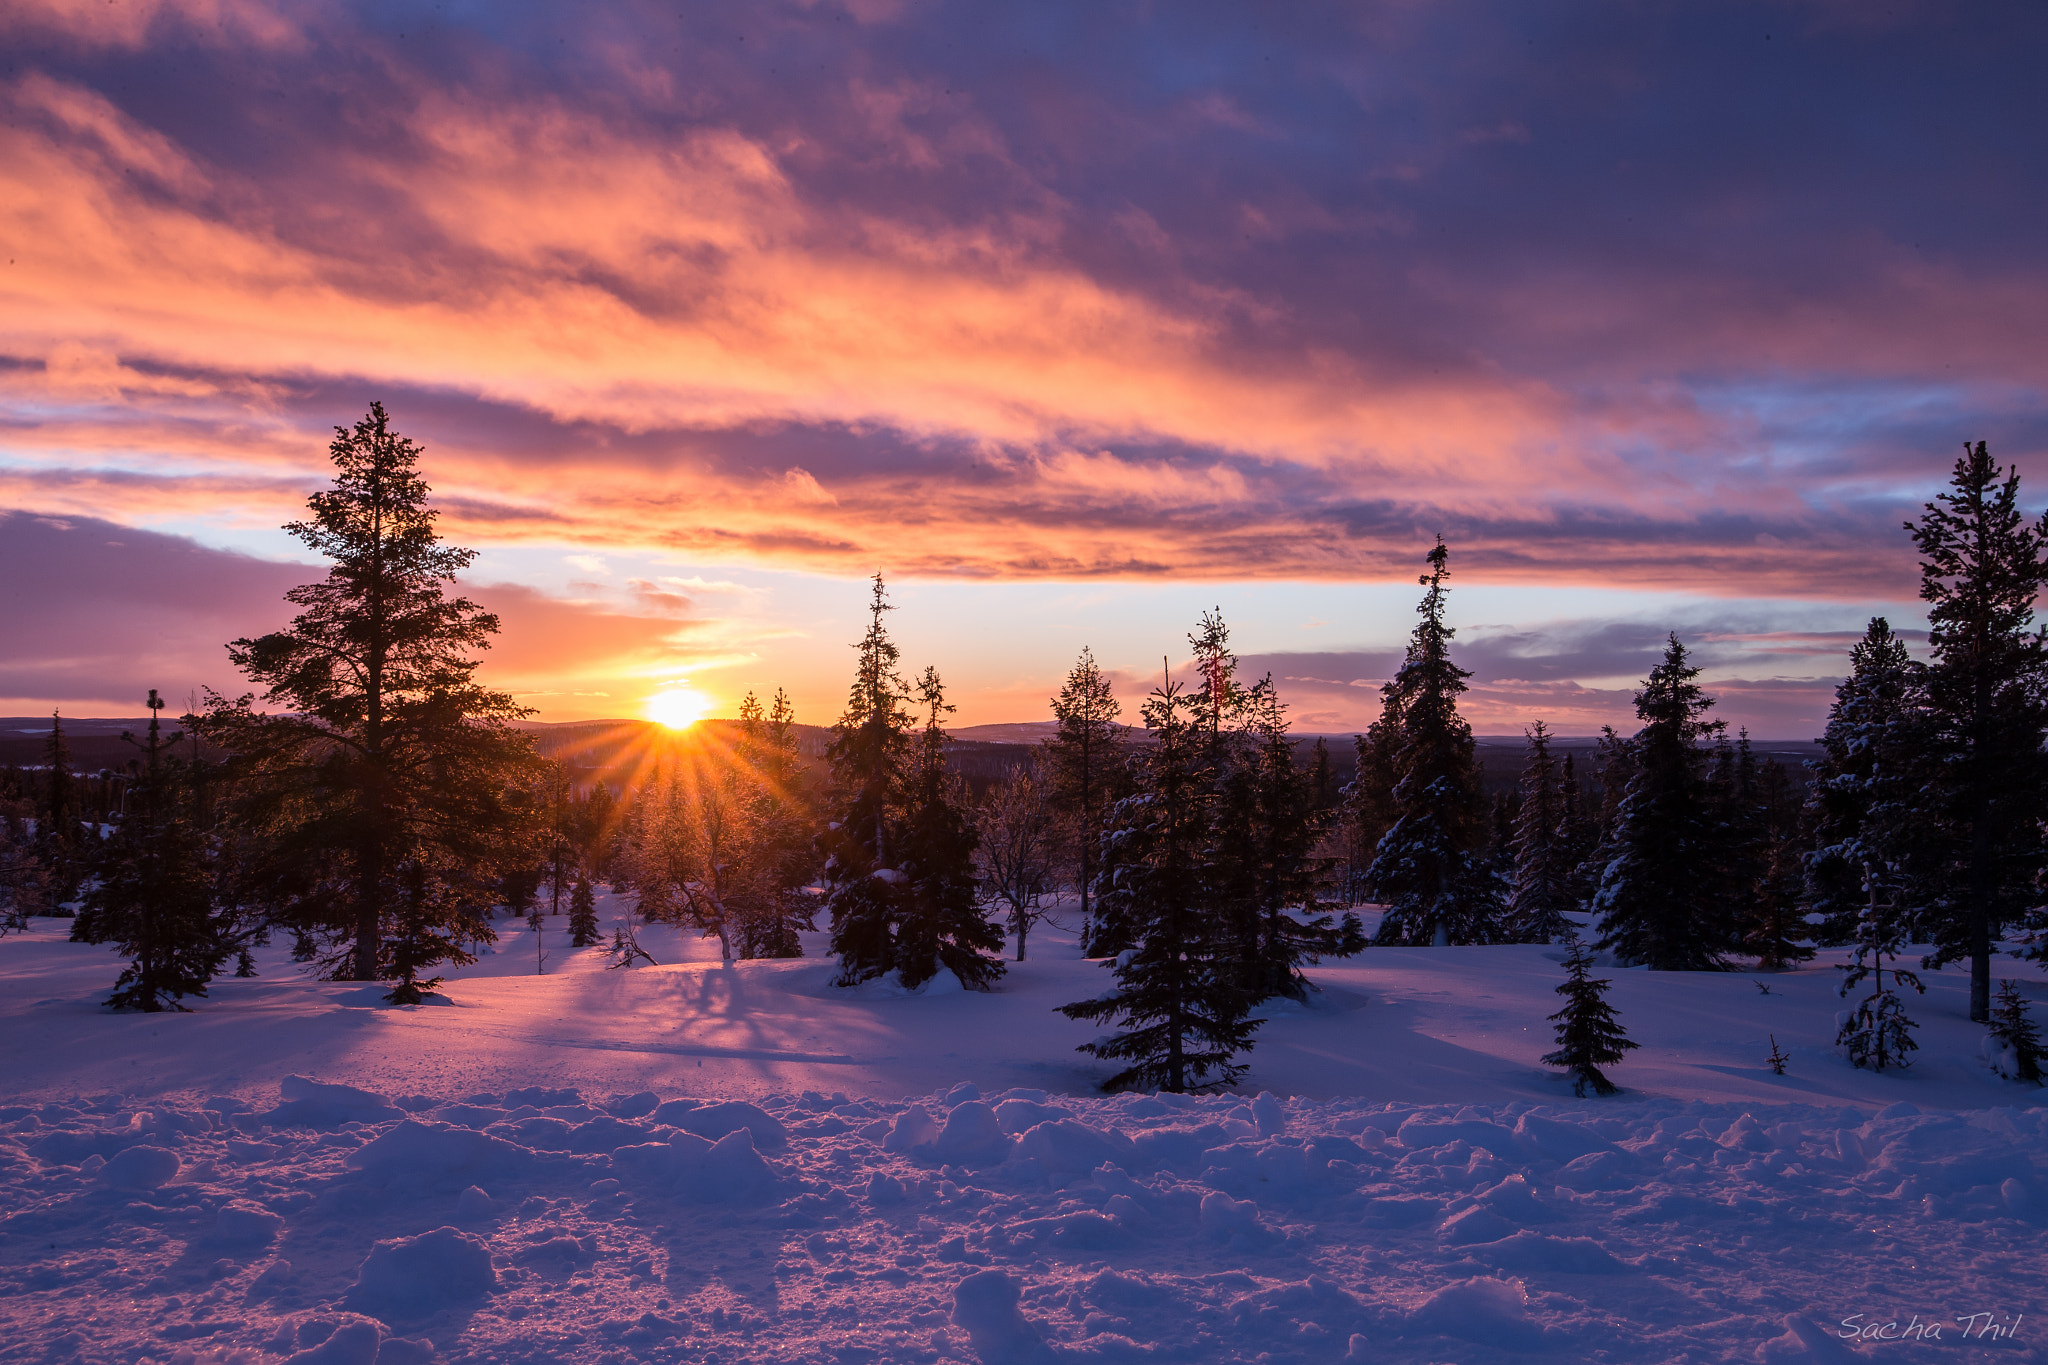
{"x":379,"y":806}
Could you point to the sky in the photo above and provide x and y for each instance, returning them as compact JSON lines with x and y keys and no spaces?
{"x":1072,"y":320}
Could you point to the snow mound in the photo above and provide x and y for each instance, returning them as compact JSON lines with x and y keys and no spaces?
{"x":140,"y":1168}
{"x":972,"y":1136}
{"x":412,"y":1277}
{"x":311,"y":1104}
{"x":716,"y":1120}
{"x":1486,"y":1311}
{"x":1067,"y":1147}
{"x":243,"y":1224}
{"x":690,"y":1168}
{"x":985,"y":1307}
{"x":415,"y":1154}
{"x":324,"y":1341}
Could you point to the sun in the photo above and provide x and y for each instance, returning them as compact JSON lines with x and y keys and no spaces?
{"x":677,"y":707}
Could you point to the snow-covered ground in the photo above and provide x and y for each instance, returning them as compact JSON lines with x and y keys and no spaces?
{"x":706,"y":1162}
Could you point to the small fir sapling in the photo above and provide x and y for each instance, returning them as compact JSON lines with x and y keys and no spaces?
{"x":1879,"y":1033}
{"x":1778,"y":1057}
{"x":1588,"y":1034}
{"x":583,"y":932}
{"x":2015,"y":1044}
{"x":535,"y":921}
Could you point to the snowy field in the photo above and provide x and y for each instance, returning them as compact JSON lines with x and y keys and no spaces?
{"x":697,"y":1162}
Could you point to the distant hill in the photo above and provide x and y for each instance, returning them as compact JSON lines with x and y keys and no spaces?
{"x":623,"y":752}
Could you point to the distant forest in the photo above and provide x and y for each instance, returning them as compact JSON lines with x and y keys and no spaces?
{"x":374,"y":802}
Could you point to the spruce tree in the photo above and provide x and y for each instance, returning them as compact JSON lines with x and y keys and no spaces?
{"x":1264,"y":844}
{"x":774,"y":857}
{"x":1588,"y":1034}
{"x":868,"y":754}
{"x":1986,"y":701}
{"x":60,"y":841}
{"x":1663,"y":896}
{"x":1086,"y":762}
{"x":1578,"y":833}
{"x":941,"y":925}
{"x":583,"y":930}
{"x":1542,"y":860}
{"x":383,"y":801}
{"x":2018,"y":1041}
{"x":1878,"y":1033}
{"x":1429,"y":866}
{"x":1178,"y":998}
{"x":1862,"y":807}
{"x":152,"y":893}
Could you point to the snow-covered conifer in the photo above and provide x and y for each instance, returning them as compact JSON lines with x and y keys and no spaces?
{"x":1877,"y":1033}
{"x":1663,"y":894}
{"x":1429,"y":866}
{"x":1177,"y":996}
{"x":2017,"y":1041}
{"x":1589,"y":1036}
{"x":1867,"y":785}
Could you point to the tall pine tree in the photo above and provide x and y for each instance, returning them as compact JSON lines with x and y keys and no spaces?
{"x":941,"y":926}
{"x":1982,"y":564}
{"x":1086,"y":760}
{"x":1429,"y":866}
{"x":1542,"y":857}
{"x":381,"y":805}
{"x":1863,"y":802}
{"x":1663,"y":895}
{"x":868,"y":754}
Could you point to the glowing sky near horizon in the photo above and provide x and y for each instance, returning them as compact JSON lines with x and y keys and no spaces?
{"x":1072,"y":319}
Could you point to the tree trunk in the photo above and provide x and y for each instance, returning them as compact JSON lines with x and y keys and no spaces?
{"x":1980,"y":920}
{"x":368,"y":875}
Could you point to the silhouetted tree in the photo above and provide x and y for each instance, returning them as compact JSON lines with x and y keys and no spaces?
{"x":941,"y":925}
{"x":1429,"y":867}
{"x":1016,"y":833}
{"x":1986,"y":699}
{"x":383,"y":802}
{"x":1663,"y":896}
{"x":1265,"y":832}
{"x":1542,"y":861}
{"x":868,"y":753}
{"x":1086,"y":762}
{"x":583,"y":930}
{"x":152,"y":892}
{"x":1177,"y":997}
